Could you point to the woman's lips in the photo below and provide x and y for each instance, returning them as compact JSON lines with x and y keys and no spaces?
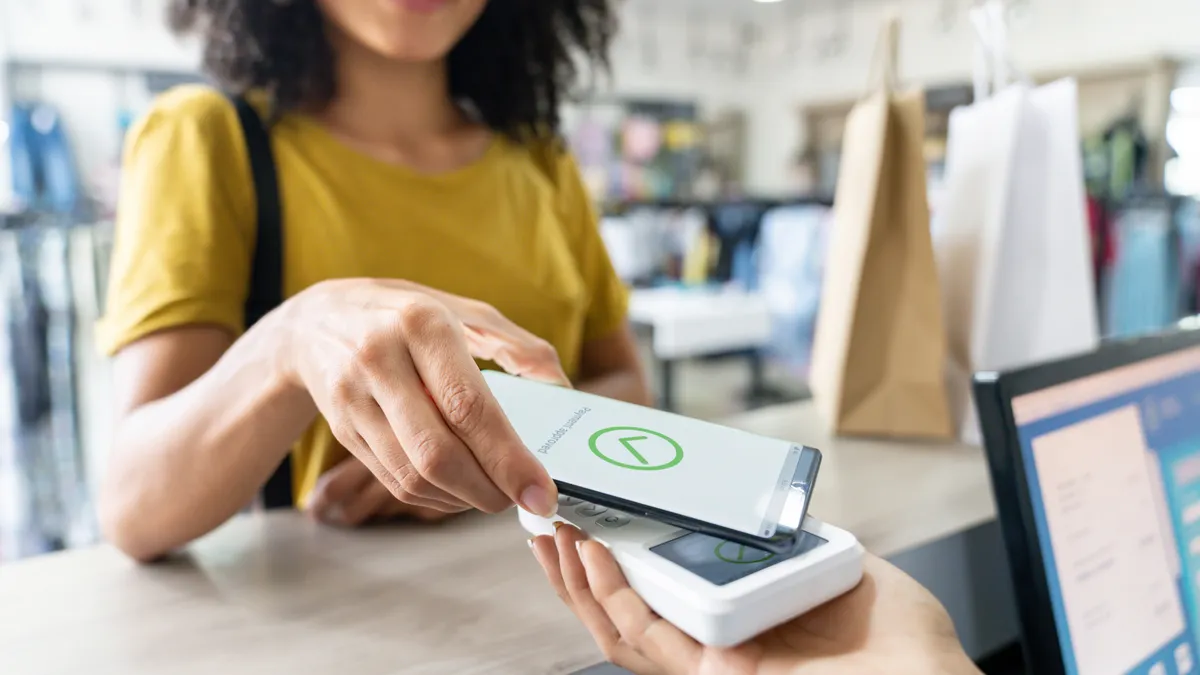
{"x":423,"y":6}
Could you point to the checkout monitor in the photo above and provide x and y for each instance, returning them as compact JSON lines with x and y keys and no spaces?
{"x":1095,"y":464}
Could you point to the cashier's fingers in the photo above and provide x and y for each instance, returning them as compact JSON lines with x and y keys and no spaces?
{"x":589,"y":611}
{"x":567,"y":540}
{"x":546,"y":552}
{"x":657,"y":639}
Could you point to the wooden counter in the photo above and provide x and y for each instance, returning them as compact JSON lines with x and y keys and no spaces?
{"x":279,"y":594}
{"x":893,"y":496}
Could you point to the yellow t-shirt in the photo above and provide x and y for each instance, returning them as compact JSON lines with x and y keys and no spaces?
{"x":503,"y":230}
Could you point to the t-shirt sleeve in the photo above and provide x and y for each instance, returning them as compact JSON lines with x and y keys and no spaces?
{"x":185,"y":223}
{"x":608,"y":296}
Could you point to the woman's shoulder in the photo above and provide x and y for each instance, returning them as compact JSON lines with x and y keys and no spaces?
{"x":187,"y":115}
{"x":190,"y":105}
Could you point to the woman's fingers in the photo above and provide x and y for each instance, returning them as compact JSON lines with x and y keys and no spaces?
{"x":368,"y":504}
{"x":546,"y":552}
{"x":418,"y":490}
{"x":335,"y":487}
{"x":517,"y":352}
{"x":439,"y":353}
{"x":655,"y":638}
{"x":570,"y":582}
{"x":575,"y":581}
{"x":491,"y":336}
{"x":424,"y":456}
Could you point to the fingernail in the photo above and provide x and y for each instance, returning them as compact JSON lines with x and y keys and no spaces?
{"x":530,"y":542}
{"x":558,"y":524}
{"x":334,"y":514}
{"x":537,"y":500}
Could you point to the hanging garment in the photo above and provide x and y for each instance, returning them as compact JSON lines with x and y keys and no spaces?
{"x":44,"y":173}
{"x":1144,"y":294}
{"x":22,"y":149}
{"x":1187,"y":219}
{"x":42,"y":468}
{"x":737,"y":226}
{"x":790,"y":259}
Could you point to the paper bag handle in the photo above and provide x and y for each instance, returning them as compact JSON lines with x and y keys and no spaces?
{"x":994,"y":68}
{"x":885,"y":70}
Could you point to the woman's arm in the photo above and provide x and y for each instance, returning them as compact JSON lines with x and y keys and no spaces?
{"x":202,"y":422}
{"x":611,"y":367}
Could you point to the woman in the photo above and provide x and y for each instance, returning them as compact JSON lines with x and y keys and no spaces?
{"x":424,"y":231}
{"x":888,"y":625}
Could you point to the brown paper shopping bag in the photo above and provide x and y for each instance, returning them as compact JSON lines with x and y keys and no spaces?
{"x":879,"y":348}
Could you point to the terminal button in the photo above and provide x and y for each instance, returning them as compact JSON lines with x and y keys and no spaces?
{"x":590,"y":510}
{"x":613,"y":521}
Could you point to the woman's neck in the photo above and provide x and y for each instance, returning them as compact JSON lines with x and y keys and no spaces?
{"x":390,"y":103}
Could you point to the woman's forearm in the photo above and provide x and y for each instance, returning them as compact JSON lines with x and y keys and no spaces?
{"x":184,"y":464}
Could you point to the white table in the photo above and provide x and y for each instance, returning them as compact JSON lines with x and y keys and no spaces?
{"x":689,"y":323}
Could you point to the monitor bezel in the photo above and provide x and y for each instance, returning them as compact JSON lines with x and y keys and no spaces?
{"x":994,"y":393}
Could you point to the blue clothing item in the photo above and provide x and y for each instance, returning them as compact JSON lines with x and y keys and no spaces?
{"x":737,"y":226}
{"x":1145,"y":290}
{"x":44,"y":172}
{"x":22,"y":151}
{"x":791,"y":256}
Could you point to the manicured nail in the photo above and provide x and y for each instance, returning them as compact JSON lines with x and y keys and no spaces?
{"x":335,"y":515}
{"x":537,"y":500}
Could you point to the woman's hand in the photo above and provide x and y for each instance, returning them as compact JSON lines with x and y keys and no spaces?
{"x":390,"y":365}
{"x":349,"y":495}
{"x":888,"y":624}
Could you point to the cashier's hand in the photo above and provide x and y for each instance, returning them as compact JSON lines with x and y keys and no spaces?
{"x":349,"y":495}
{"x":391,"y":365}
{"x":888,"y":624}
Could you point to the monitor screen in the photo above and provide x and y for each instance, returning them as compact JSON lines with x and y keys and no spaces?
{"x":1113,"y":466}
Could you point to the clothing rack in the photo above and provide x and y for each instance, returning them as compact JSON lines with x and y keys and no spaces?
{"x":1151,"y":282}
{"x":765,"y":203}
{"x":45,"y":502}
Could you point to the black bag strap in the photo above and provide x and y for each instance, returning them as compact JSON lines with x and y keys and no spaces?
{"x":266,"y":267}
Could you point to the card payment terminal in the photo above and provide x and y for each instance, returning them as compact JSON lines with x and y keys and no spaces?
{"x":721,"y":593}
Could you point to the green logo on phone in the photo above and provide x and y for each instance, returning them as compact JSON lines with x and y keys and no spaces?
{"x":739,"y":554}
{"x":636,"y":448}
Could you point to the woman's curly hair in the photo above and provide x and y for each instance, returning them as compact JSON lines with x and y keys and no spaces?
{"x":514,"y":67}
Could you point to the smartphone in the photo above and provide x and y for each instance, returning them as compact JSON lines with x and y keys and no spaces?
{"x":696,"y":475}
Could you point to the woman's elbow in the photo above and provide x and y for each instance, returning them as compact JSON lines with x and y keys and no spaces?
{"x":122,"y":528}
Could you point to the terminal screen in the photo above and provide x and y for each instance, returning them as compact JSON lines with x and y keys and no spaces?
{"x":721,"y":562}
{"x":1113,"y":466}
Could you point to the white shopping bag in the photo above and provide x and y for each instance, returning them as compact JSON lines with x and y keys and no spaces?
{"x":1013,"y":246}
